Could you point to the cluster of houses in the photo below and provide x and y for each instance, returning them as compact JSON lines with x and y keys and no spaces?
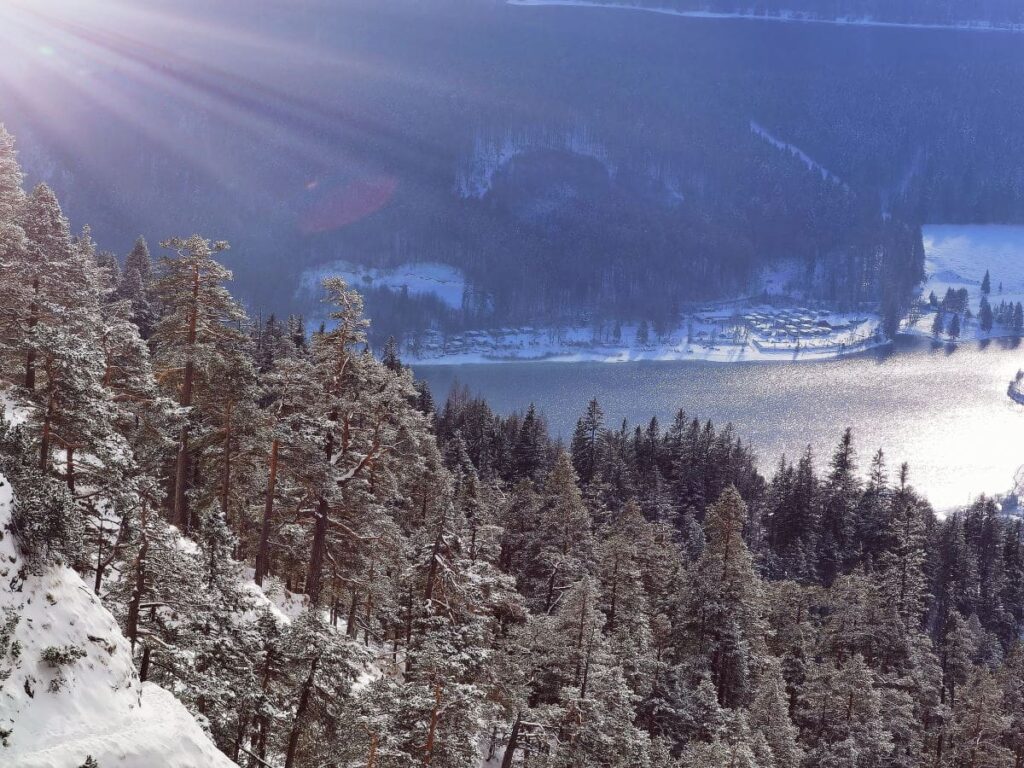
{"x":769,"y":329}
{"x":433,"y":343}
{"x":797,"y":324}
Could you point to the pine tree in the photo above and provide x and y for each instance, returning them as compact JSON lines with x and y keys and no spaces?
{"x":37,"y":275}
{"x":954,"y":327}
{"x":985,"y":315}
{"x":193,"y":340}
{"x":903,"y":576}
{"x":140,"y":261}
{"x":390,"y":357}
{"x":722,"y":618}
{"x":528,"y":450}
{"x":841,"y":714}
{"x":584,"y":445}
{"x":975,"y":738}
{"x":837,"y":550}
{"x":562,"y":543}
{"x":643,"y":334}
{"x":295,"y":431}
{"x":12,"y":236}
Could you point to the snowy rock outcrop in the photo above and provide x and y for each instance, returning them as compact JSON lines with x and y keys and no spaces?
{"x":68,"y":688}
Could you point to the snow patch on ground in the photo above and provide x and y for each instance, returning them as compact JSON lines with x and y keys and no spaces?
{"x":427,"y":278}
{"x":99,"y":707}
{"x":781,"y":16}
{"x":282,"y":604}
{"x":14,"y":410}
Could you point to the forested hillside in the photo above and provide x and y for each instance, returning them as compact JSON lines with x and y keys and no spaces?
{"x":328,"y":570}
{"x":559,"y":162}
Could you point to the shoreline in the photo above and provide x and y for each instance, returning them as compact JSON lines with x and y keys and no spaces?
{"x":693,"y":354}
{"x":777,"y":18}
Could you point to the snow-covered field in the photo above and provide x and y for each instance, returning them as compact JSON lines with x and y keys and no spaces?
{"x":957,"y":256}
{"x":99,"y":707}
{"x":440,"y":280}
{"x":783,"y":16}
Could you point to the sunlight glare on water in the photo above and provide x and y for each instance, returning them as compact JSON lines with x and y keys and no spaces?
{"x":943,"y":411}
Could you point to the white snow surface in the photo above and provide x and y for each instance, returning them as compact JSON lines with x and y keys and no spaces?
{"x":781,"y":16}
{"x":419,"y":279}
{"x":101,"y":708}
{"x":957,"y":255}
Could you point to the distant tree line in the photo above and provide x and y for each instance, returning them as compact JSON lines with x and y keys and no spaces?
{"x":952,"y":12}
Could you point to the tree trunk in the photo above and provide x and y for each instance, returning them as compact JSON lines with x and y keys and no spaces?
{"x":44,"y":442}
{"x":300,"y":712}
{"x":371,"y":759}
{"x":263,"y":553}
{"x":316,"y":558}
{"x":513,"y":742}
{"x":137,"y":592}
{"x":30,"y":358}
{"x":181,"y":516}
{"x":225,"y":487}
{"x":350,"y":626}
{"x":70,"y":453}
{"x":435,"y":713}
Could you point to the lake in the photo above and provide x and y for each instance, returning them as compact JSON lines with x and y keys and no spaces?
{"x":942,"y":409}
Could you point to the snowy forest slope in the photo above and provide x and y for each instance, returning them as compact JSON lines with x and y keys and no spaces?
{"x":69,"y":688}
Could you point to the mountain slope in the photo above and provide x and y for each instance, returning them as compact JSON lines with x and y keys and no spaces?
{"x":69,"y":689}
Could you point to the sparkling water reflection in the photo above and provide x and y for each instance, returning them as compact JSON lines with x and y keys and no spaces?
{"x":943,"y":410}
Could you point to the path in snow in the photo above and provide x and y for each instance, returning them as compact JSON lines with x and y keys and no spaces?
{"x":811,"y":163}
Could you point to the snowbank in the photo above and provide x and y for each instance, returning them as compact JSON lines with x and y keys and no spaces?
{"x":93,"y":704}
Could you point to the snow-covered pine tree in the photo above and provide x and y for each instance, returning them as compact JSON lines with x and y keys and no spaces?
{"x":198,"y":336}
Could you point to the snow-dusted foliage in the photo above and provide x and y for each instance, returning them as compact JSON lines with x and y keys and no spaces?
{"x":69,"y":689}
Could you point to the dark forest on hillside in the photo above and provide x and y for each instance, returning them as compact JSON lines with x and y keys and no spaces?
{"x":633,"y":181}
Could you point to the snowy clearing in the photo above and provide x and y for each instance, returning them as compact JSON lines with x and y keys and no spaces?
{"x":790,"y":17}
{"x":957,"y":256}
{"x":427,"y":278}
